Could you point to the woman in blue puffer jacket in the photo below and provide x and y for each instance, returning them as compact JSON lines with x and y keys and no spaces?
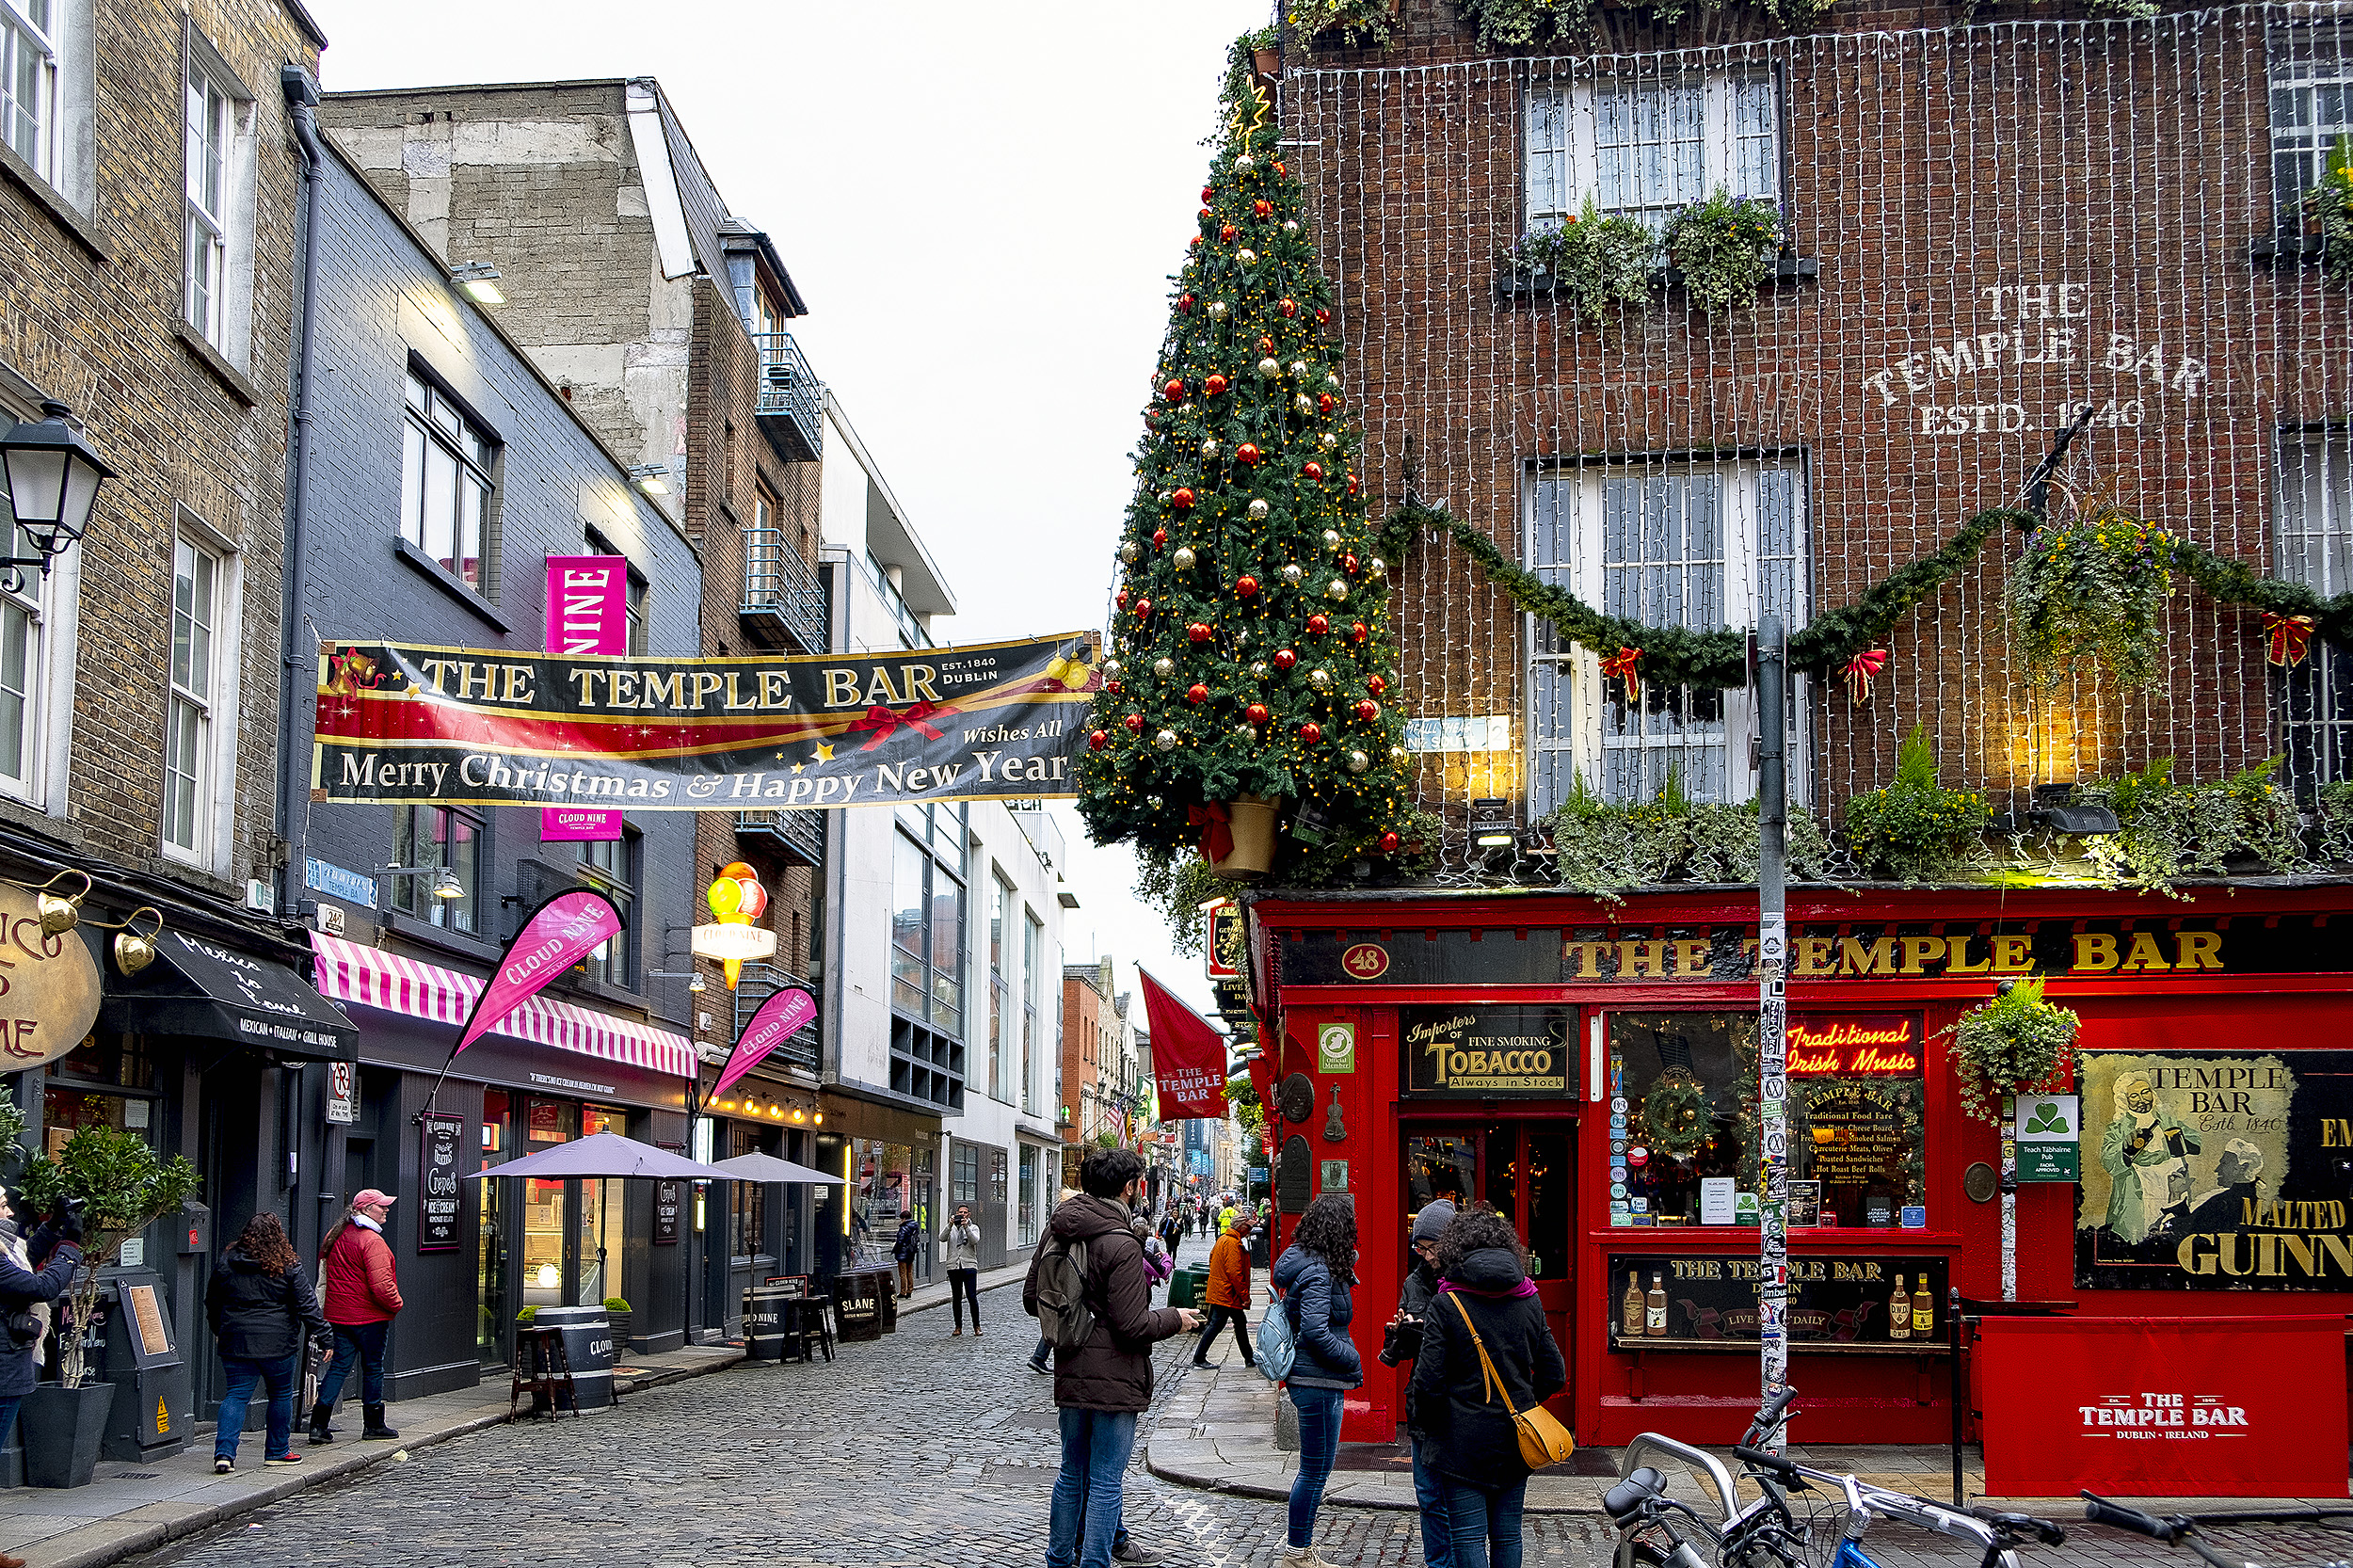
{"x":1316,"y":1275}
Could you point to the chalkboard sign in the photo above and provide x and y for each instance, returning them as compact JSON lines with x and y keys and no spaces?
{"x":669,"y":1196}
{"x":1840,"y":1298}
{"x":437,"y":1201}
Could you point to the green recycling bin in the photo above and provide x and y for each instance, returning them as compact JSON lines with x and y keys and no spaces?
{"x":1185,"y":1287}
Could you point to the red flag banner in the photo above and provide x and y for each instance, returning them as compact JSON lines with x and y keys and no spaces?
{"x":1188,"y":1057}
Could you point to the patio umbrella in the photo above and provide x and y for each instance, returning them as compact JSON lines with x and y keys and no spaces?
{"x":601,"y":1154}
{"x":767,"y":1167}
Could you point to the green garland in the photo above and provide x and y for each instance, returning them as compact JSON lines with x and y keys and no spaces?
{"x":1679,"y":656}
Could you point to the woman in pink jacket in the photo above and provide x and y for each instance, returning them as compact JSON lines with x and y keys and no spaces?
{"x":362,"y":1294}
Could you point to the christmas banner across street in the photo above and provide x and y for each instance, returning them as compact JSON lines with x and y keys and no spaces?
{"x":401,"y":722}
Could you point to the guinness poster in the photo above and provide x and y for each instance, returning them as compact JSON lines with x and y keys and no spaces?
{"x":2216,"y":1171}
{"x":997,"y":721}
{"x":1487,"y":1053}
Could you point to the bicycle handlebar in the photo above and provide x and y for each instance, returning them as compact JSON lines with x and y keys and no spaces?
{"x":2099,"y":1511}
{"x":1773,"y":1462}
{"x":2023,"y":1524}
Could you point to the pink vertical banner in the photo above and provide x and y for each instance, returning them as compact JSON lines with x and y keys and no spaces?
{"x":587,"y":612}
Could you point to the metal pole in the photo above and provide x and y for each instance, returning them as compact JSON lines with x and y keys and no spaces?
{"x":2009,"y":1198}
{"x":1773,"y":1018}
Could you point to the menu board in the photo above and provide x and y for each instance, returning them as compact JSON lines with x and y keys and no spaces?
{"x":1838,"y":1299}
{"x":147,"y":1319}
{"x":438,"y":1205}
{"x":668,"y":1202}
{"x":1857,"y":1131}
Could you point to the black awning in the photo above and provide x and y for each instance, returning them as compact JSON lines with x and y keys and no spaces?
{"x":202,"y":987}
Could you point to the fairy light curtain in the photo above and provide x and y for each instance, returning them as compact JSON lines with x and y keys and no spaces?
{"x":2008,"y":221}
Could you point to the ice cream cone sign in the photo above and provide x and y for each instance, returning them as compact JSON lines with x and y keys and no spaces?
{"x":736,"y":900}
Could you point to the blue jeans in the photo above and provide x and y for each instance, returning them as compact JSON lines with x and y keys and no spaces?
{"x":1485,"y":1522}
{"x":1319,"y":1444}
{"x":243,"y":1376}
{"x":1096,"y":1446}
{"x":1437,"y":1535}
{"x":363,"y":1344}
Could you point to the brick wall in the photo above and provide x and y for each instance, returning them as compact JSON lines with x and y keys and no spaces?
{"x":93,"y":309}
{"x":1083,"y":1012}
{"x":2121,"y":170}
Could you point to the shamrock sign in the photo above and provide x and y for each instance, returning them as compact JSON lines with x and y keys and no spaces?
{"x":2046,"y":1118}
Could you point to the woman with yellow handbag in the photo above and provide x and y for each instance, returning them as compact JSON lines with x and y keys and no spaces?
{"x":1488,"y":1361}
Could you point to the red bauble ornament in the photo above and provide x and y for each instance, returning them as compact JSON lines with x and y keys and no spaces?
{"x":1182,"y":500}
{"x":1358,"y":630}
{"x":1215,"y":385}
{"x":1174,"y":392}
{"x":1266,"y":346}
{"x":1389,"y":842}
{"x":1375,"y":685}
{"x":1208,"y":193}
{"x":1122,"y":599}
{"x":1348,"y":564}
{"x":1255,"y":712}
{"x":1280,"y":170}
{"x":1352,"y":484}
{"x":1205,"y":213}
{"x":1246,"y":454}
{"x":1097,"y":739}
{"x":1290,"y":308}
{"x":1134,"y":723}
{"x":1197,"y":693}
{"x":1194,"y":242}
{"x":1323,"y":317}
{"x":1324,"y":403}
{"x":1226,"y":232}
{"x":1160,"y":537}
{"x":1368,"y":710}
{"x":1313,"y":471}
{"x":1311,"y":732}
{"x":1144,"y":608}
{"x":1199,"y":632}
{"x":1319,"y":624}
{"x":1114,"y":687}
{"x":1246,"y":587}
{"x":1185,"y":302}
{"x":1263,"y":208}
{"x":1284,"y":657}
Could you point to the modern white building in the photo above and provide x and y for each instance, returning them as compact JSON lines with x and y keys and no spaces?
{"x":942,"y":940}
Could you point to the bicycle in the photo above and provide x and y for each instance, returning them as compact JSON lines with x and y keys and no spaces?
{"x":2189,"y":1530}
{"x":1766,"y":1533}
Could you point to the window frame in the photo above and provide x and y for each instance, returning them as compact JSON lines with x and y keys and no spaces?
{"x":2324,"y":62}
{"x":473,"y":450}
{"x":1000,"y":981}
{"x":414,"y":895}
{"x":2324,"y":680}
{"x":208,"y":151}
{"x":186,"y":701}
{"x":1032,"y":1003}
{"x":18,"y":29}
{"x":939,"y":1002}
{"x":615,"y":867}
{"x":1561,"y":131}
{"x":1592,"y":703}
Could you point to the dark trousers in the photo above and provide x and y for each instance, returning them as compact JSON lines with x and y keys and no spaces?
{"x":1219,"y":1318}
{"x":360,"y":1345}
{"x":964,"y":1285}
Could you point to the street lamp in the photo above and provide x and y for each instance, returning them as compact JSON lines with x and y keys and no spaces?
{"x":445,"y":883}
{"x":480,"y":281}
{"x":652,"y":478}
{"x":53,"y":476}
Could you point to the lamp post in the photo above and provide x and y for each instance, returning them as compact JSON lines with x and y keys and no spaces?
{"x":53,"y":475}
{"x":1772,"y":1020}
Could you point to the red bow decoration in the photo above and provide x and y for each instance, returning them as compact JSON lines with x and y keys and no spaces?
{"x":1619,"y":666}
{"x":1859,"y":671}
{"x":2291,"y":637}
{"x":881,"y":721}
{"x":1217,"y":838}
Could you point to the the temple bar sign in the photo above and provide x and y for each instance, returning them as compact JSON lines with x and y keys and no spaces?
{"x":1970,"y":952}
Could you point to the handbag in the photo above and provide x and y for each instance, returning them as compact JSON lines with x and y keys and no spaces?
{"x":1544,"y":1441}
{"x":1278,"y":1345}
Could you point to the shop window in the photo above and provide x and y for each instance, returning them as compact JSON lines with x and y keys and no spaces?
{"x":107,"y":1083}
{"x":543,"y":1228}
{"x":1025,"y":1222}
{"x":997,"y":1178}
{"x":2312,"y":544}
{"x":747,"y":1224}
{"x":1705,"y":546}
{"x":490,"y":1249}
{"x":1688,"y":1149}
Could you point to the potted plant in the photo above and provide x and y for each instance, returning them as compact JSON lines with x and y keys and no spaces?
{"x":1723,"y":249}
{"x":1915,"y":829}
{"x":2090,"y":588}
{"x":2010,"y":1046}
{"x":1345,"y":22}
{"x":123,"y":1186}
{"x":1594,"y":260}
{"x":1265,"y":47}
{"x":2329,"y":207}
{"x":618,"y":1314}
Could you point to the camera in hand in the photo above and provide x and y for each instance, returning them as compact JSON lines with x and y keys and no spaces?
{"x":66,"y":1218}
{"x":24,"y":1328}
{"x":1400,"y":1342}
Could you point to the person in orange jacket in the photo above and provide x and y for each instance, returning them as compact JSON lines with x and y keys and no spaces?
{"x":1229,"y":1292}
{"x":363,"y":1296}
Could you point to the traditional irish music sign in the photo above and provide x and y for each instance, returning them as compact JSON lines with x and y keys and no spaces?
{"x":641,"y":732}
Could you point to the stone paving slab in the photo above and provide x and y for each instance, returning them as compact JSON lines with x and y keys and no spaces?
{"x":114,"y":1517}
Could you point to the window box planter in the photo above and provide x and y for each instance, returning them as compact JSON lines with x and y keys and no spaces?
{"x":1786,"y":270}
{"x":2288,"y":249}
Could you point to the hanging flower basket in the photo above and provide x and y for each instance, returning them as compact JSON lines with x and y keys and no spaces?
{"x":2013,"y":1045}
{"x":2090,"y":589}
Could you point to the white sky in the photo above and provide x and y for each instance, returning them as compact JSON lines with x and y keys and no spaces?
{"x":981,"y":204}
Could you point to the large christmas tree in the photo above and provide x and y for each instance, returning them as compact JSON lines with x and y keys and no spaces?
{"x":1250,"y":652}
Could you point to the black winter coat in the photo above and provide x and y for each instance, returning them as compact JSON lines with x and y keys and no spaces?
{"x":1113,"y":1370}
{"x":259,"y":1316}
{"x":1321,"y":1308}
{"x":21,"y":1287}
{"x":1451,"y":1406}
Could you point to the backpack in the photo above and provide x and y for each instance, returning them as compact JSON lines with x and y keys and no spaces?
{"x":1278,"y":1341}
{"x":1062,"y":1315}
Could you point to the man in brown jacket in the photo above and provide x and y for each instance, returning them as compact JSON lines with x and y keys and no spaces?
{"x":1229,"y":1292}
{"x":1102,"y":1386}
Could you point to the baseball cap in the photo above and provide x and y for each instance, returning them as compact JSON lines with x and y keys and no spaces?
{"x":367,"y":1197}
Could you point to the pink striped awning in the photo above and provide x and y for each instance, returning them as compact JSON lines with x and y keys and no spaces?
{"x":374,"y":978}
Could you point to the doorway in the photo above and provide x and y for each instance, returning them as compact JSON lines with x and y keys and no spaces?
{"x":1526,"y":1169}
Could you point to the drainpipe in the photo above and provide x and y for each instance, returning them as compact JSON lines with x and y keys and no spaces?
{"x":302,"y":96}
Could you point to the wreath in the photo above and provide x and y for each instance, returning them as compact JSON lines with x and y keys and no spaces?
{"x":1678,"y":1116}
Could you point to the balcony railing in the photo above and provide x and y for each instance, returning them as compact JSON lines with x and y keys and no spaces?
{"x":792,"y":399}
{"x":758,"y":982}
{"x":800,"y":833}
{"x":784,"y":601}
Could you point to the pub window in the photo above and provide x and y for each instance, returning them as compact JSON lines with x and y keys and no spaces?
{"x":1646,"y":147}
{"x":2312,"y":107}
{"x":2312,"y":544}
{"x":964,"y":1176}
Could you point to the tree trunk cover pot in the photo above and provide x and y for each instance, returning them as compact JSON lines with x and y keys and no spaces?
{"x":1253,"y":826}
{"x":63,"y":1429}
